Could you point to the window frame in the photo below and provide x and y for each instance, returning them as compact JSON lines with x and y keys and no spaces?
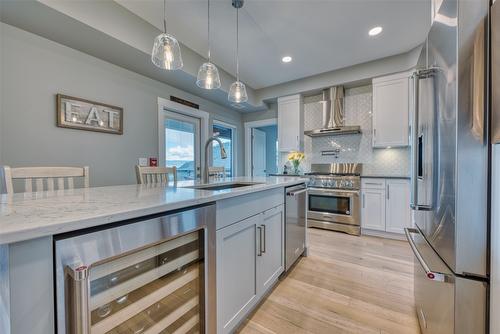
{"x":234,"y":140}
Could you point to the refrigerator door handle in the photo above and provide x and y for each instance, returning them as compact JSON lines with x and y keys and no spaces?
{"x":418,"y":141}
{"x":414,"y":144}
{"x":432,"y":275}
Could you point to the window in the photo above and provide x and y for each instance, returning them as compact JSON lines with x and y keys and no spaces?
{"x":226,"y":134}
{"x":181,"y":146}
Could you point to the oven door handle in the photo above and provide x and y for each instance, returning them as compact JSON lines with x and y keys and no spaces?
{"x":342,"y":193}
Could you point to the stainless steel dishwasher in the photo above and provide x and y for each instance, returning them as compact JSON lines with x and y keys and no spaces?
{"x":146,"y":275}
{"x":295,"y":223}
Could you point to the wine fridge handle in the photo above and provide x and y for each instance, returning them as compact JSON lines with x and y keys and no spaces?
{"x":79,"y":317}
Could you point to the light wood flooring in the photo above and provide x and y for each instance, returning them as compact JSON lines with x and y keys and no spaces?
{"x":347,"y":284}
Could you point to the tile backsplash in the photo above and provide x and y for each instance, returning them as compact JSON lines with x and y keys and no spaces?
{"x":353,"y":147}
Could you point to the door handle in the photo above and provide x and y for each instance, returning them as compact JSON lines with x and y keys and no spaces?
{"x":259,"y":252}
{"x":387,"y":191}
{"x":432,"y":275}
{"x":363,"y":201}
{"x":263,"y":244}
{"x":79,"y":308}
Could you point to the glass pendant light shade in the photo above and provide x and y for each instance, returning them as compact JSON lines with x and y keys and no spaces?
{"x":166,"y":52}
{"x":208,"y":76}
{"x":237,"y":92}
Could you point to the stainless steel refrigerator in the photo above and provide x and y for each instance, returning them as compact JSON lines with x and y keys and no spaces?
{"x":450,"y":171}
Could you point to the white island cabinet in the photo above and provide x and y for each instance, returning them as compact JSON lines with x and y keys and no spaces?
{"x":290,"y":123}
{"x":250,"y":253}
{"x":391,"y":110}
{"x":385,"y":207}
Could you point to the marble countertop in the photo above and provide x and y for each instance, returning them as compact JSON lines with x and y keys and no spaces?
{"x":25,"y":216}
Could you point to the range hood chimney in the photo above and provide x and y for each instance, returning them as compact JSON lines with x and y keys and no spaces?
{"x":333,"y":115}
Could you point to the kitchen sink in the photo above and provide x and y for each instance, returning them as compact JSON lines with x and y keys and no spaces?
{"x":223,"y":186}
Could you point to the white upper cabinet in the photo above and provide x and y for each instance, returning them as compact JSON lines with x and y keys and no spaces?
{"x":290,"y":123}
{"x":391,"y":105}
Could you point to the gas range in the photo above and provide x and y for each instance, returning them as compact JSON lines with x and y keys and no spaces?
{"x":334,"y":199}
{"x":335,"y":176}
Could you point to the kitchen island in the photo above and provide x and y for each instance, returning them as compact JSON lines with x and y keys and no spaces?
{"x":31,"y":224}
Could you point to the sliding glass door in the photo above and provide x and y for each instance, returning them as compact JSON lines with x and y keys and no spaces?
{"x":182,"y":145}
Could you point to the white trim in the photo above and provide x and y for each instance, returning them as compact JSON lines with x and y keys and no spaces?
{"x":167,"y":105}
{"x":235,"y":142}
{"x":248,"y":140}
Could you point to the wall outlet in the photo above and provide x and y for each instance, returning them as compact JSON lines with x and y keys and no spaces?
{"x":143,"y":162}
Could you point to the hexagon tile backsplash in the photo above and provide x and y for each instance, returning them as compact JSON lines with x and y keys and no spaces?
{"x":353,"y":148}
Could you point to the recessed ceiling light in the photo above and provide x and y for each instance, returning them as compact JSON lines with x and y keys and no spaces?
{"x":286,"y":59}
{"x":375,"y":31}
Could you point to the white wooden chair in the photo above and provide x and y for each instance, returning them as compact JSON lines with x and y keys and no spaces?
{"x":217,"y":172}
{"x":155,"y":175}
{"x":44,"y":178}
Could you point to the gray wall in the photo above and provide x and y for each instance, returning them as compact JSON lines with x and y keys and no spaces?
{"x":271,"y":112}
{"x":271,"y":138}
{"x":36,"y":69}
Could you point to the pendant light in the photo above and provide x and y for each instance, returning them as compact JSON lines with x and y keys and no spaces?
{"x":237,"y":90}
{"x":208,"y":74}
{"x":166,"y":52}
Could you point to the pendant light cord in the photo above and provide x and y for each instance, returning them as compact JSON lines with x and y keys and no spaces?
{"x":165,"y":16}
{"x":208,"y":30}
{"x":237,"y":47}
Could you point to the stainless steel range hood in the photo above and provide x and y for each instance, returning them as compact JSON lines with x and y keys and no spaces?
{"x":333,"y":115}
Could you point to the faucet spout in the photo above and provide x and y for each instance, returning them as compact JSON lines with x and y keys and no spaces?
{"x":223,"y":155}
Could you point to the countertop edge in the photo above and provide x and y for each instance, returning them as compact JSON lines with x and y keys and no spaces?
{"x":385,"y":177}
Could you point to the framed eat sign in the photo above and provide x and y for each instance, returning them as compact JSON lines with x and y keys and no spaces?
{"x":81,"y":114}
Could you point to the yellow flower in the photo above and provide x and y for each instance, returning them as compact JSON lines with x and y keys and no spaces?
{"x":295,"y":156}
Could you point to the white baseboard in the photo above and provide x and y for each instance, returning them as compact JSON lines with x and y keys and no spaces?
{"x":382,"y":234}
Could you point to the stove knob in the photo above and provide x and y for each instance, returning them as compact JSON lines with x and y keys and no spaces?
{"x":324,"y":183}
{"x":330,"y":183}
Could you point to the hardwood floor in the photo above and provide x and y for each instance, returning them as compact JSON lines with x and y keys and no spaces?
{"x":347,"y":284}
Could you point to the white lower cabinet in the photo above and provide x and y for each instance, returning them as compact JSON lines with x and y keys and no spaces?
{"x":385,"y":205}
{"x":249,"y":261}
{"x":270,"y":258}
{"x":373,"y":209}
{"x":398,"y":213}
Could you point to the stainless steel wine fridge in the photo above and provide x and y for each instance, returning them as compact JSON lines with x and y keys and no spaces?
{"x":148,"y":275}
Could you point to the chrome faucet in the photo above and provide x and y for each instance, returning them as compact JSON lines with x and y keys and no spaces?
{"x":223,"y":155}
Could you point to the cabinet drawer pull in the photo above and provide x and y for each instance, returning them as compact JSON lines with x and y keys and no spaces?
{"x":263,"y":244}
{"x":259,"y":251}
{"x":373,"y":183}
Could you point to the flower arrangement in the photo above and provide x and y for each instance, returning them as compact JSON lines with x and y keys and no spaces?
{"x":295,"y":158}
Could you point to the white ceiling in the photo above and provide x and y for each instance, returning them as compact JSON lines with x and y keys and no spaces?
{"x":320,"y":35}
